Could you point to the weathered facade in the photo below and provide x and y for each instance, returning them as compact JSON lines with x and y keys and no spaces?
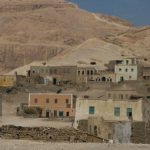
{"x":7,"y":80}
{"x":146,"y":72}
{"x":85,"y":74}
{"x":55,"y":74}
{"x":53,"y":105}
{"x":126,"y":70}
{"x":119,"y":132}
{"x":118,"y":109}
{"x":104,"y":76}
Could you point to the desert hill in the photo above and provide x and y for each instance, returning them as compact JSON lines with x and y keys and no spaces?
{"x":36,"y":30}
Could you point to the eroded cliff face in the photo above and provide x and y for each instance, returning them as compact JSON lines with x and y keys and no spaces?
{"x":32,"y":30}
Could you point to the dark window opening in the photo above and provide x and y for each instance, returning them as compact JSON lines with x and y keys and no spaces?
{"x":35,"y":100}
{"x":67,"y":101}
{"x":67,"y":114}
{"x":103,"y":79}
{"x":56,"y":101}
{"x":47,"y":100}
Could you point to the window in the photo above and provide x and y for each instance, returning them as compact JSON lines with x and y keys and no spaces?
{"x":132,"y":69}
{"x":92,"y":72}
{"x":126,"y":70}
{"x":90,"y":129}
{"x":42,"y":71}
{"x":82,"y":72}
{"x":56,"y":101}
{"x":91,"y":110}
{"x":120,"y":69}
{"x":61,"y":114}
{"x":109,"y":95}
{"x":117,"y":111}
{"x":114,"y":96}
{"x":130,"y":77}
{"x":67,"y":101}
{"x":127,"y":62}
{"x":129,"y":112}
{"x":126,"y":96}
{"x":35,"y":100}
{"x":121,"y":96}
{"x":67,"y":114}
{"x":88,"y":72}
{"x":78,"y":72}
{"x":47,"y":100}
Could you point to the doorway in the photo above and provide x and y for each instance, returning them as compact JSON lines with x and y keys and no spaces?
{"x":54,"y":81}
{"x":67,"y":114}
{"x":55,"y":113}
{"x":47,"y":114}
{"x":121,"y":79}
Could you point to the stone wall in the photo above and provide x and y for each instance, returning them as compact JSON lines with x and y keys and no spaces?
{"x":46,"y":134}
{"x":140,"y":133}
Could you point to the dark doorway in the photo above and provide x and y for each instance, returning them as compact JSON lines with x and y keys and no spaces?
{"x":67,"y":114}
{"x":55,"y":113}
{"x":121,"y":79}
{"x":103,"y":79}
{"x":47,"y":114}
{"x":54,"y":81}
{"x":95,"y":130}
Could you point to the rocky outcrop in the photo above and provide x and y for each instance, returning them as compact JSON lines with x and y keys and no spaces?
{"x":32,"y":29}
{"x":14,"y":55}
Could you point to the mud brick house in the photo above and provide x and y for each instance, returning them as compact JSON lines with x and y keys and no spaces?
{"x":55,"y":74}
{"x":53,"y":105}
{"x":146,"y":72}
{"x":7,"y":80}
{"x":106,"y":76}
{"x":85,"y":73}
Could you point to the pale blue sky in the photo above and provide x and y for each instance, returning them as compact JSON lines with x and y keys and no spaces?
{"x":136,"y":11}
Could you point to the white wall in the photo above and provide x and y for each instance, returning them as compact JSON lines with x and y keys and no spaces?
{"x":105,"y":109}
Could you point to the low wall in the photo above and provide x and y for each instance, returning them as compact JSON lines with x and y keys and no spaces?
{"x":47,"y":134}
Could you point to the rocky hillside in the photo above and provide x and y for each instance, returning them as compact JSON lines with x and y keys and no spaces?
{"x":33,"y":30}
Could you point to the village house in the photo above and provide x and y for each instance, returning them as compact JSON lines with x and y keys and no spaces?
{"x":55,"y":74}
{"x":58,"y":75}
{"x":53,"y":105}
{"x":146,"y":72}
{"x":127,"y":70}
{"x":7,"y":80}
{"x":118,"y":104}
{"x":85,"y":74}
{"x":104,"y":76}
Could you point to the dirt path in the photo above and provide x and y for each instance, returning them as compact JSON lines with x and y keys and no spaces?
{"x":31,"y":145}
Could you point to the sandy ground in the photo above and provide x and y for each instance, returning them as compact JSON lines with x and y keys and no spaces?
{"x":33,"y":122}
{"x":32,"y":145}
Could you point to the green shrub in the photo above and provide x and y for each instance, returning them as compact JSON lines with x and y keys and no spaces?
{"x":32,"y":110}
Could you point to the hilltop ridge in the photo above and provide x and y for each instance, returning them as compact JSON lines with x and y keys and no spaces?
{"x":38,"y":30}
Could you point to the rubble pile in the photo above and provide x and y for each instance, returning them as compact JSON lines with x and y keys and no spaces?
{"x":45,"y":134}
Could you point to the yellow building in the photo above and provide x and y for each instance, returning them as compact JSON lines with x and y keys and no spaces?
{"x":7,"y":80}
{"x":136,"y":109}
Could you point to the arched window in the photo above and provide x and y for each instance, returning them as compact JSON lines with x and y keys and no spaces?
{"x":104,"y":79}
{"x":88,"y":72}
